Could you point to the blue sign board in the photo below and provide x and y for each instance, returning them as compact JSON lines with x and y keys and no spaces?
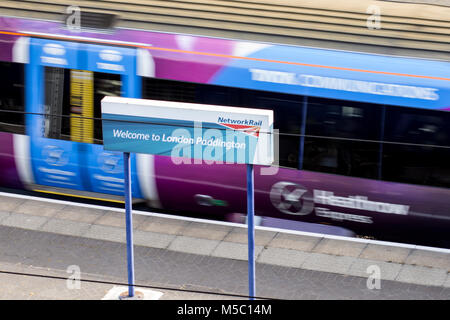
{"x":188,"y":131}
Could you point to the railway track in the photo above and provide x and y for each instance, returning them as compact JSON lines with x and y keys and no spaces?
{"x":407,"y":29}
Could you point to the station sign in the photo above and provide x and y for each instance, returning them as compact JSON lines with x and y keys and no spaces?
{"x":217,"y":134}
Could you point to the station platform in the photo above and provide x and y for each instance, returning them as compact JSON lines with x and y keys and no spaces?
{"x":31,"y":227}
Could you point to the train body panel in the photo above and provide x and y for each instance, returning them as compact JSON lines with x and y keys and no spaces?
{"x":301,"y":195}
{"x":349,"y":76}
{"x":357,"y":203}
{"x":290,"y":69}
{"x":8,"y":169}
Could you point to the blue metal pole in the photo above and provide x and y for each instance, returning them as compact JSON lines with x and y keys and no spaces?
{"x":251,"y":230}
{"x":129,"y":222}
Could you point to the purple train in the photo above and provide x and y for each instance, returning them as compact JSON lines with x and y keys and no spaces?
{"x":364,"y":139}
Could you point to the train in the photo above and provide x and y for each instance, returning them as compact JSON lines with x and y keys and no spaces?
{"x":363,"y":145}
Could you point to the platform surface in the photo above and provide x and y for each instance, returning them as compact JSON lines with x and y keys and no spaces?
{"x":47,"y":237}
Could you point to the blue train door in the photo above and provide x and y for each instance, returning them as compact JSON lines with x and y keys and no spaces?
{"x":65,"y":83}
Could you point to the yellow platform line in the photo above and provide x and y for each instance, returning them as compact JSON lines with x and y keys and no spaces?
{"x":78,"y":196}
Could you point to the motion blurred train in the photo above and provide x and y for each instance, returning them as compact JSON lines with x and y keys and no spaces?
{"x":364,"y":139}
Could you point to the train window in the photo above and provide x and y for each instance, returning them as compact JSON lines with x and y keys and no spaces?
{"x":56,"y":85}
{"x":287,"y":119}
{"x":420,"y":153}
{"x":168,"y":90}
{"x":334,"y":129}
{"x":73,"y":103}
{"x":12,"y":104}
{"x":105,"y":84}
{"x":220,"y":95}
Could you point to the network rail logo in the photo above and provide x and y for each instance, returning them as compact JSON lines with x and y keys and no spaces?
{"x":250,"y":127}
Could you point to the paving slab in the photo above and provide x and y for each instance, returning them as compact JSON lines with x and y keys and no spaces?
{"x":193,"y":245}
{"x":339,"y":247}
{"x":205,"y":231}
{"x":328,"y":263}
{"x":4,"y":215}
{"x":385,"y":253}
{"x":10,"y":204}
{"x":38,"y":208}
{"x":422,"y":275}
{"x":24,"y":221}
{"x":163,"y":225}
{"x":240,"y":235}
{"x":66,"y":227}
{"x":388,"y":270}
{"x":105,"y":232}
{"x":233,"y":250}
{"x":447,"y":282}
{"x":431,"y":259}
{"x":152,"y":239}
{"x":79,"y":214}
{"x":118,"y":219}
{"x":294,"y":242}
{"x":283,"y":257}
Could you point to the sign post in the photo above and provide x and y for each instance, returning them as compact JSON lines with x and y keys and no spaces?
{"x":129,"y":223}
{"x":185,"y":131}
{"x":251,"y":230}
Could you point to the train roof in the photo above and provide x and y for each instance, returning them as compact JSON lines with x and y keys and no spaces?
{"x":331,"y":73}
{"x":407,"y":28}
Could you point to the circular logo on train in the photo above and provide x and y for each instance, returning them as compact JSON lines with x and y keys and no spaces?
{"x":291,"y":198}
{"x":110,"y":162}
{"x":55,"y":156}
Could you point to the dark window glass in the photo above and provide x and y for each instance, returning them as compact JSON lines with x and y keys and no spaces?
{"x":168,"y":90}
{"x":287,"y":119}
{"x":73,"y":93}
{"x":330,"y":120}
{"x":105,"y":84}
{"x":57,"y":86}
{"x":426,"y":161}
{"x":12,"y":100}
{"x":226,"y":96}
